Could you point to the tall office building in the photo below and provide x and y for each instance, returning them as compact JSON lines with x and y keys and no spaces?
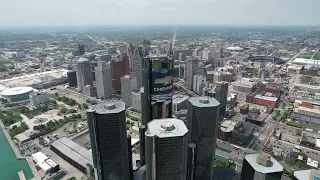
{"x":81,"y":49}
{"x":261,"y":167}
{"x":128,"y":84}
{"x":203,"y":126}
{"x":108,"y":137}
{"x":137,"y":67}
{"x":222,"y":88}
{"x":192,"y":70}
{"x":166,"y":149}
{"x":156,"y":96}
{"x":103,"y":80}
{"x":158,"y":87}
{"x":119,"y":68}
{"x":72,"y":78}
{"x":84,"y":73}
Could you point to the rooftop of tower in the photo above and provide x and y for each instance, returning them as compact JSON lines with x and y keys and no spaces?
{"x":108,"y":107}
{"x":204,"y":101}
{"x":158,"y":56}
{"x":164,"y":128}
{"x":82,"y":59}
{"x":263,"y":163}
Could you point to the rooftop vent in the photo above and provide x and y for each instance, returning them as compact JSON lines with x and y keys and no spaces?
{"x":110,"y":106}
{"x":167,"y":126}
{"x":204,"y":100}
{"x":264,"y":159}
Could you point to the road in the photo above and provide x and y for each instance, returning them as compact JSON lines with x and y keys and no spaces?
{"x":179,"y":85}
{"x":292,"y":58}
{"x":314,"y":53}
{"x":90,"y":38}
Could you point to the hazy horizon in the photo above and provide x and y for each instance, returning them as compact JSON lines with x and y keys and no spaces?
{"x":159,"y":12}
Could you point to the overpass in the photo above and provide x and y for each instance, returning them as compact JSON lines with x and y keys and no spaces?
{"x":266,"y":58}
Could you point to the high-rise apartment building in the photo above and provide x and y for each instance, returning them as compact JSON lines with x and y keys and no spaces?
{"x":108,"y":137}
{"x":84,"y":73}
{"x":203,"y":126}
{"x":192,"y":70}
{"x":128,"y":84}
{"x":103,"y":80}
{"x":166,"y":149}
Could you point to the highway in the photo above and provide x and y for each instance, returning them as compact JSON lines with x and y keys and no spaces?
{"x":91,"y":38}
{"x":292,"y":58}
{"x":314,"y":53}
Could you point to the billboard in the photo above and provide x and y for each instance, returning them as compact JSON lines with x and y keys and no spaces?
{"x":161,"y":87}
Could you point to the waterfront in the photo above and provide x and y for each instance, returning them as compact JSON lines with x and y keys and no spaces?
{"x":10,"y":165}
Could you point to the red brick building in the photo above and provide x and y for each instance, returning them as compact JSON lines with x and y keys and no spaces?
{"x":119,"y":68}
{"x":266,"y":101}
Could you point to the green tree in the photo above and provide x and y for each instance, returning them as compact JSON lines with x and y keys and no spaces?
{"x":84,"y":106}
{"x":274,"y":118}
{"x":298,"y":132}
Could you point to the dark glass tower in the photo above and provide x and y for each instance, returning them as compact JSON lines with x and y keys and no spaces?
{"x":203,"y":124}
{"x":157,"y":96}
{"x":158,"y":87}
{"x":72,"y":78}
{"x":109,"y":144}
{"x":166,"y":149}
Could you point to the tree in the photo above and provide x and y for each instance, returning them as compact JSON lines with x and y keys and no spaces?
{"x":298,"y":132}
{"x":274,"y":118}
{"x":93,"y":102}
{"x":84,"y":106}
{"x":79,"y":106}
{"x":63,"y":110}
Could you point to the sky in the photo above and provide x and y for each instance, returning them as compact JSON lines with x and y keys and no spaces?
{"x":152,"y":12}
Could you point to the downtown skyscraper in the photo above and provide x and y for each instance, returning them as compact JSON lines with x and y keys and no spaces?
{"x":109,"y":143}
{"x":84,"y":73}
{"x":158,"y":87}
{"x":103,"y":80}
{"x":203,"y":126}
{"x":166,"y":149}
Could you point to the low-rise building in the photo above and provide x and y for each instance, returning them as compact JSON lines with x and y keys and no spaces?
{"x":244,"y":85}
{"x":310,"y":139}
{"x":254,"y":118}
{"x":226,"y":128}
{"x":39,"y":98}
{"x":262,"y":100}
{"x":242,"y":133}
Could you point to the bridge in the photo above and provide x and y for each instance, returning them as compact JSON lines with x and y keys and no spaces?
{"x":266,"y":58}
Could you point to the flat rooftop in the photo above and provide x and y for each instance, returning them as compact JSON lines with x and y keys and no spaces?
{"x":166,"y":128}
{"x":274,"y":167}
{"x":74,"y":151}
{"x":266,"y":97}
{"x":245,"y":83}
{"x":179,"y":98}
{"x":227,"y":126}
{"x":35,"y":78}
{"x":248,"y":128}
{"x":108,"y":107}
{"x":204,"y":102}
